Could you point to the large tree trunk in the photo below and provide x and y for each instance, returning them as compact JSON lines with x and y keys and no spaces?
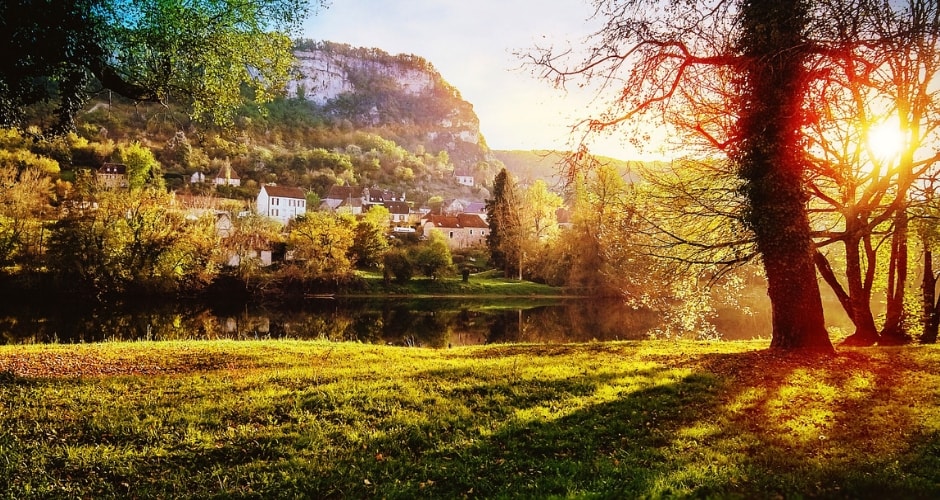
{"x":931,"y":319}
{"x":894,"y":332}
{"x":866,"y":333}
{"x":771,"y":162}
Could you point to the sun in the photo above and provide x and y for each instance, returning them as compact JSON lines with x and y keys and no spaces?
{"x":886,"y":140}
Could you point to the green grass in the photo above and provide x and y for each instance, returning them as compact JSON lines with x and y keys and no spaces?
{"x":288,"y":419}
{"x":484,"y":284}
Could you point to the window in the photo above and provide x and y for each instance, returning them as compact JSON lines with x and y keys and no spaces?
{"x":451,"y":235}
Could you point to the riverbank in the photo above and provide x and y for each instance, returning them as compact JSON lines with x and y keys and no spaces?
{"x":228,"y":289}
{"x":482,"y":284}
{"x":314,"y":419}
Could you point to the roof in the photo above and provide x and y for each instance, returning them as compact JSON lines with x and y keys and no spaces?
{"x":226,"y":172}
{"x":377,"y":195}
{"x":397,"y":207}
{"x":457,"y":221}
{"x":284,"y":191}
{"x":113,"y":168}
{"x":475,"y":207}
{"x":343,"y":192}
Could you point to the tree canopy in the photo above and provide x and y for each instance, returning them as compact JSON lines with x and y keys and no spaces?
{"x":200,"y":53}
{"x":747,"y":86}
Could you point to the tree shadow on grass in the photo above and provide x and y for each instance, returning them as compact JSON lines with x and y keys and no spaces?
{"x":839,"y":427}
{"x":516,"y":438}
{"x":752,"y":425}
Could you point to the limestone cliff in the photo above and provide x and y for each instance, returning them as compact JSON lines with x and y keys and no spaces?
{"x":402,"y":93}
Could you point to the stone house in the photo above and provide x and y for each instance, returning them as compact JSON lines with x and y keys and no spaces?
{"x":461,"y":230}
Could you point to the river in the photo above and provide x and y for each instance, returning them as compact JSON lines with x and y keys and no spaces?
{"x":435,"y":322}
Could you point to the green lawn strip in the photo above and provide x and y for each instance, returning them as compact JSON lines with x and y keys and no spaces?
{"x":291,"y":419}
{"x":484,"y":285}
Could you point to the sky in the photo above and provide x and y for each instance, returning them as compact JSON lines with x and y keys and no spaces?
{"x":471,"y":43}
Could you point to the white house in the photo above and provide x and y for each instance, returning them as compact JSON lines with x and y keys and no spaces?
{"x":464,"y":177}
{"x":281,"y":203}
{"x":227,"y":177}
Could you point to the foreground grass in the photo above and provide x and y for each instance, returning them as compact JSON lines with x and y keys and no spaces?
{"x":280,"y":419}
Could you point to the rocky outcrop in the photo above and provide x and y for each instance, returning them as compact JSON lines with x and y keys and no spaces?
{"x":371,"y":88}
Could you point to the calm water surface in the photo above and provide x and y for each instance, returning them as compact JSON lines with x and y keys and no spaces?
{"x":411,"y":322}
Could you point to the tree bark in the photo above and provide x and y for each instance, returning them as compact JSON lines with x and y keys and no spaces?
{"x":771,"y":163}
{"x":894,"y":332}
{"x":866,"y":333}
{"x":931,"y":318}
{"x":856,"y":302}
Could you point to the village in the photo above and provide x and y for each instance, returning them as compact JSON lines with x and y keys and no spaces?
{"x":463,"y":223}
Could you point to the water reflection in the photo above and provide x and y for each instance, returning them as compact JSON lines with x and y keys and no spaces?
{"x":426,"y":322}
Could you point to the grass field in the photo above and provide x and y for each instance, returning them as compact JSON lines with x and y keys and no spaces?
{"x":484,"y":284}
{"x":279,"y":419}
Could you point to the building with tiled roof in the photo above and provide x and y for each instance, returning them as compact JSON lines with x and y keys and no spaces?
{"x":461,"y":230}
{"x":280,"y":202}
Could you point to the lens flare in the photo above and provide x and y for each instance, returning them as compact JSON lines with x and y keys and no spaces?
{"x":886,"y":140}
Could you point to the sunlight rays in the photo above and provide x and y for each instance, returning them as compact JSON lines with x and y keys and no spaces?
{"x":885,"y":140}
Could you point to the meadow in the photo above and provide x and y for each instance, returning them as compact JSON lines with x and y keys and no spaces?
{"x":295,"y":419}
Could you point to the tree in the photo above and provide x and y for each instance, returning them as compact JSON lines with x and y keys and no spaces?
{"x":503,"y":217}
{"x":870,"y":151}
{"x":249,"y":234}
{"x":142,"y":166}
{"x":370,"y":241}
{"x":732,"y":74}
{"x":130,"y":242}
{"x":398,"y":264}
{"x":539,"y":207}
{"x":25,"y":196}
{"x":322,"y":241}
{"x":771,"y":164}
{"x":433,"y":257}
{"x":199,"y":52}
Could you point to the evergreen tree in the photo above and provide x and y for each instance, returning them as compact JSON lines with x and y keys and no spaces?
{"x":503,"y":218}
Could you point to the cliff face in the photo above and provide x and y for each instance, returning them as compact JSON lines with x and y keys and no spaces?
{"x":325,"y":75}
{"x":403,"y":94}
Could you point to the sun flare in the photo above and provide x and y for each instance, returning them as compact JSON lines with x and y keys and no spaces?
{"x":886,"y":140}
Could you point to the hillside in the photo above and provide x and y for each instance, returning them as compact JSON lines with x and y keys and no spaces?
{"x":548,"y":166}
{"x":352,"y":116}
{"x":401,"y":93}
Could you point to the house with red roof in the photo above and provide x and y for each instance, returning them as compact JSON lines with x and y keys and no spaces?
{"x":461,"y":230}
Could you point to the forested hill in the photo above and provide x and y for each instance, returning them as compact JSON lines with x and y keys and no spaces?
{"x":354,"y":116}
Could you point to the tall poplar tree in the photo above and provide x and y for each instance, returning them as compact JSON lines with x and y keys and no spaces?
{"x":502,"y":212}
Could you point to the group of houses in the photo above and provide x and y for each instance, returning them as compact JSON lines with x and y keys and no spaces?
{"x":462,"y":222}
